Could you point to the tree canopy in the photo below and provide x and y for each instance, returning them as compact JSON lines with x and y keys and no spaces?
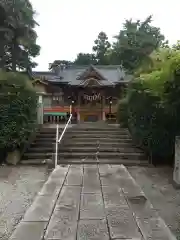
{"x":131,"y":47}
{"x":136,"y":42}
{"x":101,"y":48}
{"x":17,"y":35}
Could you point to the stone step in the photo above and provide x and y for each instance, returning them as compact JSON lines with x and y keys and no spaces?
{"x":119,"y":161}
{"x":125,"y":162}
{"x":36,"y":155}
{"x":101,"y":149}
{"x":85,"y":136}
{"x":94,"y":140}
{"x":42,"y":144}
{"x":75,"y":144}
{"x":50,"y":140}
{"x":47,"y":130}
{"x":92,"y":134}
{"x":43,"y":136}
{"x":82,"y":155}
{"x":94,"y":144}
{"x":101,"y":155}
{"x":84,"y":149}
{"x":34,"y":161}
{"x":120,"y":130}
{"x":41,"y":149}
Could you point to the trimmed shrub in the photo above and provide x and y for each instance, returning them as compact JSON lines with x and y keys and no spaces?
{"x":123,"y":112}
{"x":18,"y":104}
{"x":150,"y":123}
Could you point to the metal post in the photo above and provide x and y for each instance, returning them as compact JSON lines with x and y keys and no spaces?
{"x":57,"y":138}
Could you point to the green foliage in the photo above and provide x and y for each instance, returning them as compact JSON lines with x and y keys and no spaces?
{"x":17,"y":35}
{"x":100,"y":56}
{"x":131,"y":49}
{"x":154,"y":107}
{"x":17,"y":110}
{"x":85,"y":59}
{"x":101,"y":48}
{"x":136,"y":42}
{"x":123,"y":112}
{"x":149,"y":123}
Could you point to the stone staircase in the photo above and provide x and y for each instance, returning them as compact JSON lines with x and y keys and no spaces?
{"x":86,"y":143}
{"x":42,"y":149}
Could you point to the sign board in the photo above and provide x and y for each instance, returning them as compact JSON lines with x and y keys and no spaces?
{"x":176,"y":173}
{"x":40,"y":99}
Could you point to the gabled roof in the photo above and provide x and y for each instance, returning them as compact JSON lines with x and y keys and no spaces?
{"x":89,"y":82}
{"x":88,"y":72}
{"x":109,"y":75}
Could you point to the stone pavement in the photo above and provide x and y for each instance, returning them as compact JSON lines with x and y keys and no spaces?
{"x":91,"y":202}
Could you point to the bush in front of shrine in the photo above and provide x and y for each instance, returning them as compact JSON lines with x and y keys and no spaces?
{"x":18,"y":116}
{"x":154,"y":110}
{"x":122,"y":112}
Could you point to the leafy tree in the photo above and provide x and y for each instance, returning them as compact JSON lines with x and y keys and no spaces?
{"x":18,"y":37}
{"x":18,"y":111}
{"x":136,"y":42}
{"x":157,"y":59}
{"x":85,"y":59}
{"x":101,"y":48}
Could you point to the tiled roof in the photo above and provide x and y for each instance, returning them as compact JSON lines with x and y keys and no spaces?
{"x":111,"y":73}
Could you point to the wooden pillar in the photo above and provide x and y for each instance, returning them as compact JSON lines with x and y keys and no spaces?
{"x":103,"y":106}
{"x":40,"y":112}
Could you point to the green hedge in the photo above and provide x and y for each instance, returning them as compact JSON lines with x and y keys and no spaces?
{"x":17,"y":111}
{"x":149,"y":123}
{"x":123,"y":112}
{"x":154,"y":110}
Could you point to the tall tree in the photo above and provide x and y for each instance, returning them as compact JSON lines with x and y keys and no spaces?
{"x":85,"y":59}
{"x":136,"y":42}
{"x":101,"y":48}
{"x":18,"y":34}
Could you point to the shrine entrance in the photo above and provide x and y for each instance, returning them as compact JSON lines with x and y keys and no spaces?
{"x":91,"y":106}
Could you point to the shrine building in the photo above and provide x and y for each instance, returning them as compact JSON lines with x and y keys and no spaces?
{"x":90,"y":93}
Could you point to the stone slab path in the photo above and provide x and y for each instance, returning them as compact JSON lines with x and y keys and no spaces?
{"x":91,"y":202}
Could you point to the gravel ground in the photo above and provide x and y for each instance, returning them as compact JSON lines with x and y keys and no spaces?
{"x":157,"y":185}
{"x":18,"y":187}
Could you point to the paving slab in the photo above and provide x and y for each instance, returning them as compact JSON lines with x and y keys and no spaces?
{"x":92,"y":206}
{"x":60,"y":172}
{"x":113,"y":197}
{"x":29,"y":231}
{"x":91,"y":181}
{"x":92,"y":230}
{"x":63,"y":224}
{"x":155,"y":228}
{"x":69,"y":197}
{"x":41,"y":209}
{"x":92,"y":202}
{"x":51,"y":187}
{"x":122,"y":224}
{"x":74,"y":176}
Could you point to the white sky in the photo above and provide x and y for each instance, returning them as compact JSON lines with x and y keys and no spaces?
{"x":68,"y":27}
